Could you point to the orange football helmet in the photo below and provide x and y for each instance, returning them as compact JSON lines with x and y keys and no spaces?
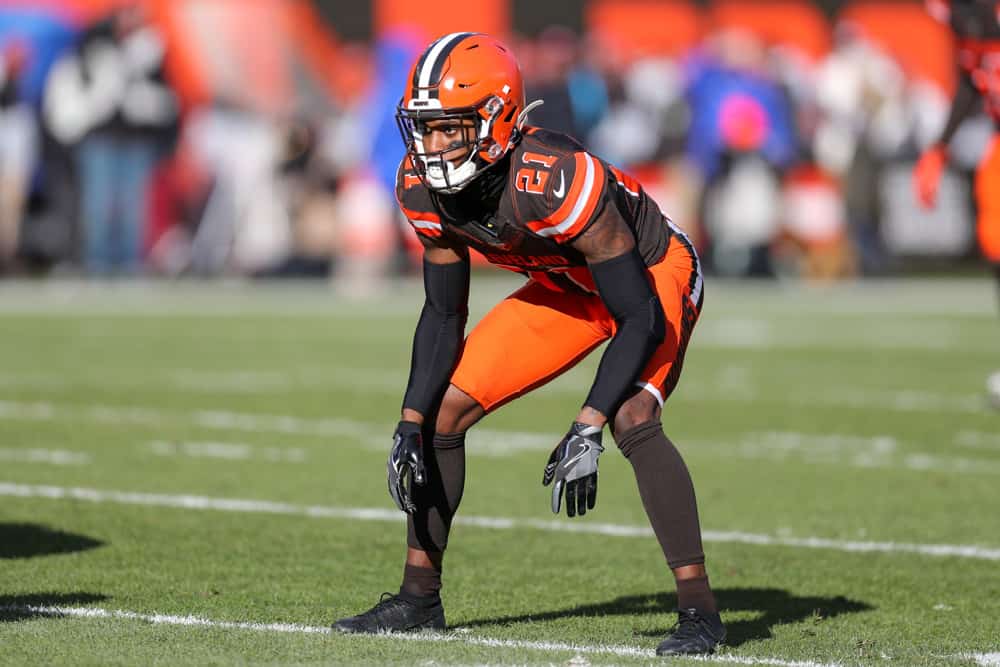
{"x":468,"y":77}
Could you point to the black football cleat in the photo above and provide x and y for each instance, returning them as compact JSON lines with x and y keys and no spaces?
{"x":696,"y":633}
{"x":395,"y":613}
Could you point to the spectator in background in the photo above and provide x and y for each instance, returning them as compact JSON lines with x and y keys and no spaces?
{"x":547,"y":79}
{"x":742,"y":139}
{"x":646,"y":114}
{"x":109,"y":100}
{"x":18,"y":149}
{"x":737,"y":105}
{"x":860,"y":93}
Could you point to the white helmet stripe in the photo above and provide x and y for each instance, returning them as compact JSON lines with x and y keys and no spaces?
{"x":442,"y":46}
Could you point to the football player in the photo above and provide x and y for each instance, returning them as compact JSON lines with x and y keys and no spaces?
{"x":976,"y":24}
{"x":602,"y":262}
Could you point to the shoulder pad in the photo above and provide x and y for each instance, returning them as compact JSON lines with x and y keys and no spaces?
{"x":557,"y":193}
{"x":415,"y":202}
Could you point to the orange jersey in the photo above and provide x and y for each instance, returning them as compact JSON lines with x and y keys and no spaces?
{"x":524,"y":213}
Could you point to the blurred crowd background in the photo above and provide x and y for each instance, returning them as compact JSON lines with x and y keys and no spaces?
{"x":215,"y":138}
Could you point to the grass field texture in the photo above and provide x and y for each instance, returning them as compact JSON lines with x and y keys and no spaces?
{"x":195,"y":474}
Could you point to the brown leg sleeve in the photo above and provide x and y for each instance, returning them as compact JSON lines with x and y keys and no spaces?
{"x":437,"y":500}
{"x":667,"y":492}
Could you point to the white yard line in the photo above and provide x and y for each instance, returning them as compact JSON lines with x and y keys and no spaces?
{"x":58,"y":457}
{"x":881,"y":451}
{"x":452,"y":637}
{"x":489,"y":442}
{"x":978,"y":440}
{"x":827,"y":449}
{"x":229,"y":451}
{"x":193,"y":502}
{"x":985,"y":659}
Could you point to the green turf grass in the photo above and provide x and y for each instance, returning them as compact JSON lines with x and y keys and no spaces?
{"x":851,"y":414}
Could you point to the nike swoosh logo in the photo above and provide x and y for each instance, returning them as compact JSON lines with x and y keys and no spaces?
{"x":583,"y":452}
{"x":561,"y":190}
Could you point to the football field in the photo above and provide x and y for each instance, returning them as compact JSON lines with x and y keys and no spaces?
{"x":195,"y":474}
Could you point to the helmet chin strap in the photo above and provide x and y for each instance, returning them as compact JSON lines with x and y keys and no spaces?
{"x":523,"y":116}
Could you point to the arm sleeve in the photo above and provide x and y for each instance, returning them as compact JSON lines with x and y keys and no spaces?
{"x":624,"y":287}
{"x":439,"y":334}
{"x":961,"y":106}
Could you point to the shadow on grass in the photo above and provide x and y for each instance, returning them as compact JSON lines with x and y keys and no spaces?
{"x":27,"y":540}
{"x":38,"y":605}
{"x":772,"y":605}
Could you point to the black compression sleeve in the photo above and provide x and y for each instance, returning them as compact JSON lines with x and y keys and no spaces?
{"x":438,"y":337}
{"x":962,"y":106}
{"x":624,"y":287}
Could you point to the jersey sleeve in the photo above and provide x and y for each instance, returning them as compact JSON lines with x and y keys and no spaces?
{"x":415,"y":202}
{"x":560,"y":202}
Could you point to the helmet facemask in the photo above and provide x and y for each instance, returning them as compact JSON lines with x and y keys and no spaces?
{"x":476,"y":126}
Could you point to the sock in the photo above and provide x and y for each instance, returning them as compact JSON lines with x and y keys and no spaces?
{"x":667,"y":492}
{"x":695,"y":593}
{"x":438,"y":499}
{"x":420,"y":582}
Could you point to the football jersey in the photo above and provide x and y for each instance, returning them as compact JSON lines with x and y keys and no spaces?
{"x":523,"y":213}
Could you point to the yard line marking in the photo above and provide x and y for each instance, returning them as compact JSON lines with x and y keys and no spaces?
{"x":460,"y":638}
{"x":985,"y":659}
{"x":830,"y":449}
{"x":496,"y":523}
{"x":230,"y":451}
{"x":978,"y":440}
{"x":58,"y":457}
{"x":880,"y":451}
{"x":487,"y":442}
{"x":826,"y":449}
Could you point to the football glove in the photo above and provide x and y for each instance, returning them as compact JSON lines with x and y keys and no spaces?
{"x":573,"y":466}
{"x":406,"y":465}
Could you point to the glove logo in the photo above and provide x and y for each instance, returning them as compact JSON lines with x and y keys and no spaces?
{"x":584,"y":450}
{"x":573,"y":467}
{"x":405,"y":465}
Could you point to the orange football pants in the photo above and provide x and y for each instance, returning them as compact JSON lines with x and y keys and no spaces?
{"x":988,"y":201}
{"x":537,"y":333}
